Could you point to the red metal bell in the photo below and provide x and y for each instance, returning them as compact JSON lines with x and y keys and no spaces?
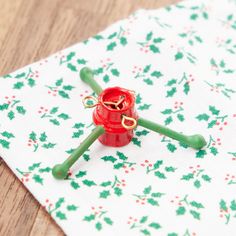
{"x":115,"y":111}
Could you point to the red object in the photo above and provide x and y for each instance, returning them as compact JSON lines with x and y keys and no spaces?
{"x":110,"y":117}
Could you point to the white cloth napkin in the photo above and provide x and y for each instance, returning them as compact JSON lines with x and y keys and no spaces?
{"x":180,"y":60}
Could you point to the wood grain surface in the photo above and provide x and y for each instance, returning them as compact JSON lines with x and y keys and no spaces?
{"x":31,"y":30}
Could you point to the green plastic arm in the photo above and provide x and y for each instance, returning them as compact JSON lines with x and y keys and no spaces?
{"x":196,"y":141}
{"x":60,"y":171}
{"x":86,"y":74}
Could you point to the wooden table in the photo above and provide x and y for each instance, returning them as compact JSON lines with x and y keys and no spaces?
{"x":31,"y":30}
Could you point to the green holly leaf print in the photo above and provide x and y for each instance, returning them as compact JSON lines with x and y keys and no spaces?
{"x":223,"y":205}
{"x":89,"y":218}
{"x":21,"y":110}
{"x":68,"y":87}
{"x":54,"y":121}
{"x":154,"y":49}
{"x":61,"y":215}
{"x":59,"y":82}
{"x":4,"y":143}
{"x":98,"y":226}
{"x":206,"y":178}
{"x":115,"y":72}
{"x":18,"y":85}
{"x":158,"y":164}
{"x":171,"y":92}
{"x":59,"y":202}
{"x":138,"y":99}
{"x":171,"y":82}
{"x":106,"y":78}
{"x":32,"y":136}
{"x":49,"y":145}
{"x":109,"y":158}
{"x":105,"y":184}
{"x":4,"y":106}
{"x":78,"y":125}
{"x":212,"y":123}
{"x":167,"y":111}
{"x":74,"y":185}
{"x":113,"y":35}
{"x":154,"y":225}
{"x":147,"y":190}
{"x":142,"y":133}
{"x":111,"y":46}
{"x":104,"y":194}
{"x":98,"y":37}
{"x":171,"y":147}
{"x":71,"y":208}
{"x":201,"y":153}
{"x":123,"y":41}
{"x":197,"y":183}
{"x":145,"y":232}
{"x":64,"y":116}
{"x":179,"y":55}
{"x":149,"y":36}
{"x":214,"y":151}
{"x":77,"y":134}
{"x":21,"y":75}
{"x":81,"y":174}
{"x":86,"y":157}
{"x":181,"y":210}
{"x":158,"y":40}
{"x":81,"y":61}
{"x":160,"y":175}
{"x":31,"y":82}
{"x":233,"y":205}
{"x":45,"y":170}
{"x":148,"y":81}
{"x":144,"y":107}
{"x":203,"y":116}
{"x":194,"y":16}
{"x":188,"y":176}
{"x":118,"y":165}
{"x":70,"y":56}
{"x":152,"y":201}
{"x":186,"y":88}
{"x":70,"y":151}
{"x":54,"y":110}
{"x":7,"y":135}
{"x":11,"y":115}
{"x":136,"y":142}
{"x":34,"y":166}
{"x":196,"y":204}
{"x":108,"y":220}
{"x":143,"y":219}
{"x":89,"y":183}
{"x":195,"y":214}
{"x":146,"y":68}
{"x":38,"y":179}
{"x":63,"y":94}
{"x":71,"y":67}
{"x":121,"y":156}
{"x":168,"y":120}
{"x":214,"y":111}
{"x":157,"y":194}
{"x":156,"y":74}
{"x":43,"y":137}
{"x":170,"y":169}
{"x":117,"y":191}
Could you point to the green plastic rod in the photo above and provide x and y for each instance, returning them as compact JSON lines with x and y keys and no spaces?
{"x":60,"y":171}
{"x":196,"y":141}
{"x":86,"y":74}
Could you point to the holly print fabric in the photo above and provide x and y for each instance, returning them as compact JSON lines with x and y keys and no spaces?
{"x":180,"y":60}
